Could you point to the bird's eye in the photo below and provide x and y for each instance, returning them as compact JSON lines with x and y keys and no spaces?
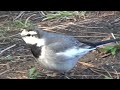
{"x":28,"y":35}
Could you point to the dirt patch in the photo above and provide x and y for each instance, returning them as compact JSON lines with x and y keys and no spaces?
{"x":15,"y":62}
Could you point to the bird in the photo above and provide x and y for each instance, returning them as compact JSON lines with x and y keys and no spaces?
{"x":57,"y":51}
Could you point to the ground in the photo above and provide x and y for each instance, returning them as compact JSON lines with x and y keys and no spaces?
{"x":16,"y":61}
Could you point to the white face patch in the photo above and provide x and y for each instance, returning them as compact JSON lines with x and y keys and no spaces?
{"x":74,"y":52}
{"x":32,"y":39}
{"x":25,"y":32}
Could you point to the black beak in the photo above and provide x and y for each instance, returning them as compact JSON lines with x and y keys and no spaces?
{"x":17,"y":35}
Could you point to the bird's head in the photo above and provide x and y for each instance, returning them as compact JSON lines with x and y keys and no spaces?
{"x":31,"y":37}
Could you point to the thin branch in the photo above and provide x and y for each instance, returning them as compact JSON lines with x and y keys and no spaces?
{"x":105,"y":55}
{"x":83,"y":26}
{"x":42,"y":13}
{"x":98,"y":72}
{"x":116,"y":73}
{"x":6,"y":71}
{"x":4,"y":43}
{"x":63,"y":26}
{"x":19,"y":15}
{"x":114,"y":38}
{"x":23,"y":72}
{"x":99,"y":33}
{"x":116,"y":20}
{"x":91,"y":36}
{"x":107,"y":72}
{"x":18,"y":34}
{"x":2,"y":16}
{"x":86,"y":64}
{"x":3,"y":64}
{"x":85,"y":75}
{"x":29,"y":18}
{"x":98,"y":69}
{"x":7,"y":49}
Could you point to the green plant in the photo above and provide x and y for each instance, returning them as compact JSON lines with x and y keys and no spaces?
{"x":60,"y":14}
{"x":9,"y":57}
{"x":21,"y":23}
{"x":106,"y":77}
{"x":111,"y":49}
{"x":33,"y":73}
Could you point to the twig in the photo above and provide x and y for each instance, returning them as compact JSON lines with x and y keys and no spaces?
{"x":94,"y":32}
{"x":11,"y":16}
{"x":30,"y":55}
{"x":42,"y":13}
{"x":4,"y":16}
{"x":91,"y":36}
{"x":23,"y":72}
{"x":86,"y":21}
{"x":83,"y":26}
{"x":18,"y":34}
{"x":4,"y":43}
{"x":37,"y":18}
{"x":105,"y":55}
{"x":6,"y":71}
{"x":67,"y":77}
{"x":23,"y":77}
{"x":114,"y":38}
{"x":86,"y":64}
{"x":7,"y":48}
{"x":49,"y":30}
{"x":116,"y":72}
{"x":28,"y":19}
{"x":19,"y":15}
{"x":3,"y":64}
{"x":99,"y":33}
{"x":63,"y":26}
{"x":97,"y":72}
{"x":116,"y":20}
{"x":107,"y":72}
{"x":85,"y":75}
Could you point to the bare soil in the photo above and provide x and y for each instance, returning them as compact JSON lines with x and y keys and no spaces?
{"x":95,"y":26}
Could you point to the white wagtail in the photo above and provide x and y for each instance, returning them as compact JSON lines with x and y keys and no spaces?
{"x":58,"y":52}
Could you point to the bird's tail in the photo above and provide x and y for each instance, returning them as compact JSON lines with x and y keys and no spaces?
{"x":95,"y":44}
{"x":107,"y":41}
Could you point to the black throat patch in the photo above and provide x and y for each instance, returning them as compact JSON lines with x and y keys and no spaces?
{"x":36,"y":51}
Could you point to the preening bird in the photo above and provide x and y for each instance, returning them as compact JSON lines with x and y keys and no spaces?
{"x":58,"y":52}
